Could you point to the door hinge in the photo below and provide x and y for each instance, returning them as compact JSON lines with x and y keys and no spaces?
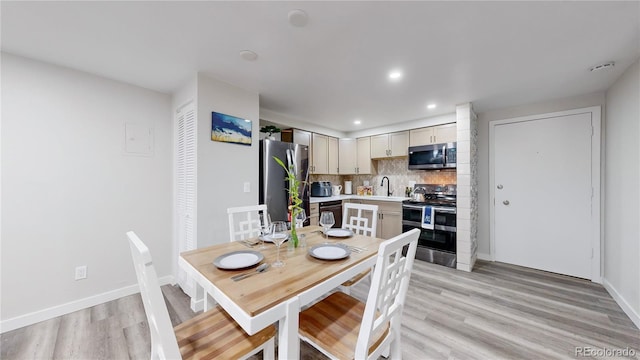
{"x":592,"y":253}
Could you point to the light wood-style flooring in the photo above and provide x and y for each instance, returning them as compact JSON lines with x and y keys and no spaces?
{"x":498,"y":311}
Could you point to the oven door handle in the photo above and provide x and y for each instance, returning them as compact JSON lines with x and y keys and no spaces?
{"x":446,"y":210}
{"x":417,"y":207}
{"x":438,"y":209}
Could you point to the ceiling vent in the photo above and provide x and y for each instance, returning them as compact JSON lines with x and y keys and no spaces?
{"x":603,"y":66}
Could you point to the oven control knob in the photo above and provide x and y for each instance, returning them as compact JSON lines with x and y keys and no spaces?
{"x":499,"y":187}
{"x":506,"y":202}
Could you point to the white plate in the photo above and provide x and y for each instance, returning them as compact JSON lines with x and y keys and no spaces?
{"x":341,"y":233}
{"x":238,"y":260}
{"x":329,"y":251}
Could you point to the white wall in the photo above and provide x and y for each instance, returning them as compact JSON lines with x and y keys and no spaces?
{"x":583,"y":101}
{"x":622,"y":194}
{"x":223,"y":168}
{"x":69,"y":191}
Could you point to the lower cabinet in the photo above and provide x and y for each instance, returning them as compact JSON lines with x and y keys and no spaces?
{"x":389,"y":217}
{"x":314,"y":214}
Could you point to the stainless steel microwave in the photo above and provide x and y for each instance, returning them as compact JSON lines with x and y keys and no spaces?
{"x":429,"y":157}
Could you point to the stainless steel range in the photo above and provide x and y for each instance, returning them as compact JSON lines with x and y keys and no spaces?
{"x":435,"y":216}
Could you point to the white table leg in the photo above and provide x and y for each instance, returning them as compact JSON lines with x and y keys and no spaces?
{"x":288,"y":342}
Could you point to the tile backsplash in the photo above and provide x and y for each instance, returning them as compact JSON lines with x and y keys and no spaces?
{"x":399,"y":175}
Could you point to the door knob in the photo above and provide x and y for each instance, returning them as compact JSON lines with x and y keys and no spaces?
{"x":500,"y":187}
{"x":506,"y":202}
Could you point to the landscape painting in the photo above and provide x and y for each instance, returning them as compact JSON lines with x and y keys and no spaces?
{"x":227,"y":128}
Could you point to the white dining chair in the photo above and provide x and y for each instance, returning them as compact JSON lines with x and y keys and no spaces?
{"x":211,"y":335}
{"x":244,"y":221}
{"x":355,"y":219}
{"x":343,"y":327}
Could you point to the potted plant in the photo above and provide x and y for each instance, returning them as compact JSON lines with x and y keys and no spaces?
{"x":270,"y":130}
{"x":295,"y":202}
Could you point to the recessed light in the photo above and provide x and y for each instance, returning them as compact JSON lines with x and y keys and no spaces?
{"x":248,"y":55}
{"x":357,"y":122}
{"x":298,"y":18}
{"x":431,"y":106}
{"x":395,"y":75}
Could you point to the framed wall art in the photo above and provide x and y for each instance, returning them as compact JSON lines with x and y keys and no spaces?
{"x":231,"y":129}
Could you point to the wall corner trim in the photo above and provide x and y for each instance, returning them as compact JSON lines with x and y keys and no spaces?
{"x":80,"y":304}
{"x":628,"y":309}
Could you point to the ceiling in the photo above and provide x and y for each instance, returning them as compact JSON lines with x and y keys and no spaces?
{"x":335,"y":69}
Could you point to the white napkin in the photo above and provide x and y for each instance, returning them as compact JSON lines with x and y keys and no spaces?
{"x":428,"y":217}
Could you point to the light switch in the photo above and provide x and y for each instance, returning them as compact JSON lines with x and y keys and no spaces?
{"x":247,"y":187}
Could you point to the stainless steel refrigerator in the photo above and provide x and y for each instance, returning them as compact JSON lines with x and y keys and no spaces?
{"x":273,"y":178}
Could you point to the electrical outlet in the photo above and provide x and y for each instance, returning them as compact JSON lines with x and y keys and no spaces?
{"x":247,"y":187}
{"x":81,"y":272}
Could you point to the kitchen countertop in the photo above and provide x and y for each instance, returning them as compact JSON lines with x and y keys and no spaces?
{"x":315,"y":200}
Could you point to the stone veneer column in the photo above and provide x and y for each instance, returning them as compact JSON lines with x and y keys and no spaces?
{"x":467,"y":200}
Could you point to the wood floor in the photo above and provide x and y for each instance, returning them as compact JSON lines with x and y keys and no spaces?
{"x":498,"y":311}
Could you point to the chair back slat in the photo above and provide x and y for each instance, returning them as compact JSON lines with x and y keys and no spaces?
{"x":163,"y":340}
{"x":388,"y":289}
{"x":355,"y":217}
{"x":244,"y":221}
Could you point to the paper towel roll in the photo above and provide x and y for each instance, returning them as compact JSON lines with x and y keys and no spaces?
{"x":347,"y":187}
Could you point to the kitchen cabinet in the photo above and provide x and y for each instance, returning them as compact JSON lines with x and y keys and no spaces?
{"x":332,"y":155}
{"x":389,"y":145}
{"x":389,"y":217}
{"x":355,"y":156}
{"x":320,"y":154}
{"x":348,"y":157}
{"x":314,"y":214}
{"x":363,"y":159}
{"x":433,"y":135}
{"x":324,"y":154}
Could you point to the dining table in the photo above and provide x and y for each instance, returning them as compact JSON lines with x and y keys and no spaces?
{"x":278,"y":294}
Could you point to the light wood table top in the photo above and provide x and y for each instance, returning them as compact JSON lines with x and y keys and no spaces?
{"x":301,"y":271}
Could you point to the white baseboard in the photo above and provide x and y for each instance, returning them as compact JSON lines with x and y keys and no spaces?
{"x":63,"y":309}
{"x":630,"y":311}
{"x":483,"y":256}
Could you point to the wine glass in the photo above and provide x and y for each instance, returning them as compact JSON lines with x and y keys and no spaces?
{"x":265,"y":228}
{"x":301,"y":216}
{"x":327,"y":221}
{"x":279,"y":234}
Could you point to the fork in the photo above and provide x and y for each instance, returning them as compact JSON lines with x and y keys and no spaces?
{"x":355,"y":249}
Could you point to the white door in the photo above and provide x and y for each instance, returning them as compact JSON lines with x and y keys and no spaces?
{"x":186,"y":188}
{"x":543,"y":194}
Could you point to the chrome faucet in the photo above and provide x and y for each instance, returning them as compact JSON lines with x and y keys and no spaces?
{"x":382,"y":184}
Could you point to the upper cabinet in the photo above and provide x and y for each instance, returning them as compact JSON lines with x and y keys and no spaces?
{"x":333,"y":152}
{"x":320,"y":158}
{"x":323,"y":150}
{"x":389,"y":145}
{"x":364,"y":155}
{"x":355,"y":156}
{"x":348,"y":159}
{"x":433,"y":135}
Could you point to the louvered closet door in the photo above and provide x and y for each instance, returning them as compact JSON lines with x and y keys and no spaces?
{"x":186,"y":188}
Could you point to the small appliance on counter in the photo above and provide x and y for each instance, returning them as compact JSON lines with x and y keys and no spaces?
{"x":321,"y":189}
